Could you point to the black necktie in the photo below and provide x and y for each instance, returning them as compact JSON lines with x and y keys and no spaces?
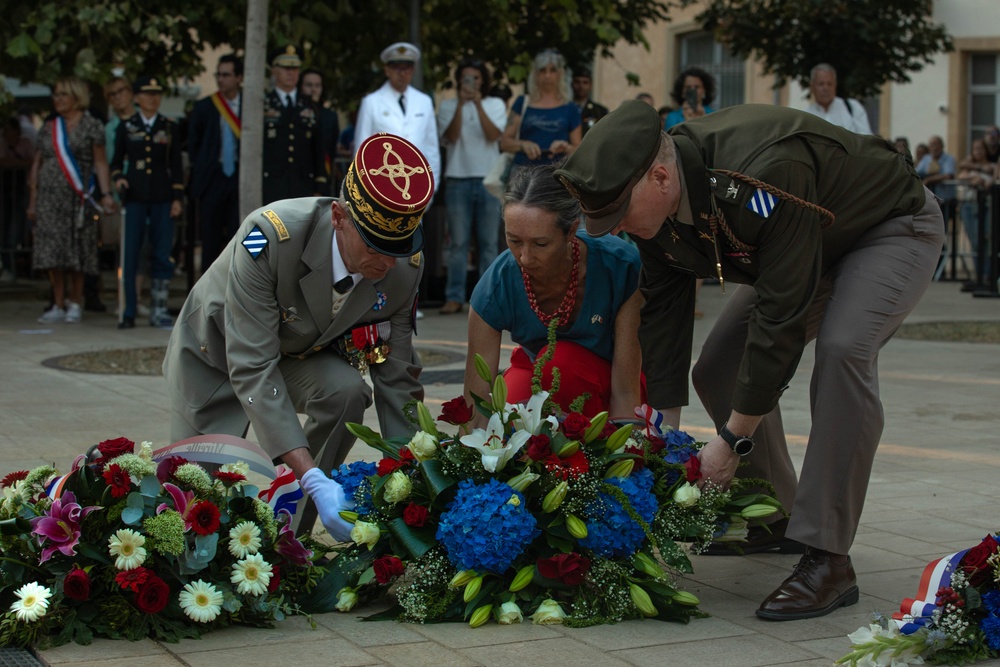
{"x":344,"y":285}
{"x":402,"y":103}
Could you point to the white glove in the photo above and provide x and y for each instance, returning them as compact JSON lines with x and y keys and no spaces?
{"x":330,"y":500}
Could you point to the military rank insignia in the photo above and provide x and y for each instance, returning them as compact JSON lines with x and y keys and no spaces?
{"x":762,"y":203}
{"x":366,"y":345}
{"x":255,"y":242}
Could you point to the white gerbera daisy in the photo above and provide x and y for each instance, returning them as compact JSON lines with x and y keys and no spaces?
{"x":32,"y":602}
{"x":251,"y":575}
{"x":201,"y":601}
{"x":127,"y":547}
{"x":244,"y":539}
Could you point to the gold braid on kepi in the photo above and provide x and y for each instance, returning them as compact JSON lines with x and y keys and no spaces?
{"x":388,"y":186}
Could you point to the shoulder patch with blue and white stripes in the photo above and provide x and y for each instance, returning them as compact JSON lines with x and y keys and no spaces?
{"x":762,"y":203}
{"x":255,"y":242}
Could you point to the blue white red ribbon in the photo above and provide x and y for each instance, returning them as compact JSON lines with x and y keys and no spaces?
{"x":653,"y":419}
{"x":284,"y":491}
{"x":68,"y":164}
{"x":915,"y":613}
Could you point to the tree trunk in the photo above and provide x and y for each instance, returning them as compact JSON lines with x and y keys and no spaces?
{"x":252,"y":135}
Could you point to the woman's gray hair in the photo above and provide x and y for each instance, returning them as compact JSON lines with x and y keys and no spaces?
{"x":537,"y":187}
{"x":543,"y":59}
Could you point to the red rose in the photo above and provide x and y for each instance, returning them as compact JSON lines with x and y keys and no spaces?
{"x":387,"y":466}
{"x":639,"y":462}
{"x":567,"y":468}
{"x":575,"y":425}
{"x":153,"y":596}
{"x":974,"y":561}
{"x":76,"y":585}
{"x":415,"y":515}
{"x":608,"y":430}
{"x":272,"y":586}
{"x":406,"y":456}
{"x":118,"y":480}
{"x":168,"y":466}
{"x":204,"y":517}
{"x":456,"y":412}
{"x":656,"y":444}
{"x":693,"y":467}
{"x":133,"y":578}
{"x":570,"y":569}
{"x":387,"y":568}
{"x":109,"y":449}
{"x":538,"y":447}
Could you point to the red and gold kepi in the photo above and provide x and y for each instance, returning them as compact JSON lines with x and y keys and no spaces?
{"x":387,"y":188}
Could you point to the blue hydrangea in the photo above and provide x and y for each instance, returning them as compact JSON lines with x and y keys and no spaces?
{"x":355,"y":476}
{"x":990,"y":626}
{"x":991,"y":600}
{"x":610,"y":530}
{"x":482,"y":531}
{"x":679,"y":447}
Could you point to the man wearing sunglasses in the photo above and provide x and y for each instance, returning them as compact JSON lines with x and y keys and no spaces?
{"x":308,"y":293}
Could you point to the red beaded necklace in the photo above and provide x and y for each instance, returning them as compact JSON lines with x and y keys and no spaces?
{"x":565,"y":309}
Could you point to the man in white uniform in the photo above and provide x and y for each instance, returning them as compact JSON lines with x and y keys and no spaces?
{"x":845,"y":112}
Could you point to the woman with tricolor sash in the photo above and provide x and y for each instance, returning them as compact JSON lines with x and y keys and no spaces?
{"x":63,"y":197}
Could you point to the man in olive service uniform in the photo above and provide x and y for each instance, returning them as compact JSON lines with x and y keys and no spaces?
{"x":308,"y":292}
{"x":832,"y":237}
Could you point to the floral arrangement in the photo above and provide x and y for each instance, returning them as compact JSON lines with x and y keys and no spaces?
{"x":954,"y":620}
{"x":127,"y":547}
{"x":574,"y":521}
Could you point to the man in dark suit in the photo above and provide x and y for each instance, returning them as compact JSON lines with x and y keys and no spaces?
{"x":153,"y":192}
{"x":293,"y":156}
{"x":590,"y":111}
{"x":214,"y":147}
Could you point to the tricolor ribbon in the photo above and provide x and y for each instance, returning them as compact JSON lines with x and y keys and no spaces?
{"x":914,"y":613}
{"x":653,"y":419}
{"x":284,"y":491}
{"x":68,"y":164}
{"x":226,"y":111}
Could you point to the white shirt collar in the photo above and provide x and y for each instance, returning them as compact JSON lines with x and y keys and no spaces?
{"x":148,"y":121}
{"x":339,"y":268}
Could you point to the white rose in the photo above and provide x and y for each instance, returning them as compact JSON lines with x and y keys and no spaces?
{"x":549,"y":613}
{"x":398,"y":487}
{"x":346,"y":599}
{"x":509,"y":614}
{"x":687,"y":495}
{"x":423,"y":446}
{"x":365,"y":533}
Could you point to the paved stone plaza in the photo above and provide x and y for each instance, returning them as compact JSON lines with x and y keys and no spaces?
{"x":933,"y":491}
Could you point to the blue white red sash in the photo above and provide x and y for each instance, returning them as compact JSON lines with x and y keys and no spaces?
{"x":914,"y":613}
{"x":68,"y":164}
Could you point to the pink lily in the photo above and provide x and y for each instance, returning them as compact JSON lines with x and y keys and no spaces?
{"x":182,"y":501}
{"x":288,"y":546}
{"x":60,"y":526}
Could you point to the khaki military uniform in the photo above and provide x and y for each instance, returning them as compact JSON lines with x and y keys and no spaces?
{"x":848,"y":285}
{"x":255,"y":342}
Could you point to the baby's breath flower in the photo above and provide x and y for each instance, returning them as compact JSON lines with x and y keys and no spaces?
{"x":194,"y":476}
{"x":166,"y":532}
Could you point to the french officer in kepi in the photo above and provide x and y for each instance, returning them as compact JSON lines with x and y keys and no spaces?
{"x":832,"y":236}
{"x":294,"y":163}
{"x":309,"y":292}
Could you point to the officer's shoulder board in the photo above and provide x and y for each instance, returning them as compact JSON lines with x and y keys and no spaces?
{"x":279,"y":226}
{"x":415,"y":260}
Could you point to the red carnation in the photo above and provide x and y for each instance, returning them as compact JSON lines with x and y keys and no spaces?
{"x":387,"y":568}
{"x":538,"y":447}
{"x":656,"y":444}
{"x":229,"y":478}
{"x":693,"y":467}
{"x":974,"y":561}
{"x":456,"y":412}
{"x":575,"y":425}
{"x":570,"y":568}
{"x":133,"y":578}
{"x":153,"y":596}
{"x":10,"y":479}
{"x":415,"y":515}
{"x":118,"y":480}
{"x":76,"y":585}
{"x":109,"y":449}
{"x":567,"y":468}
{"x":204,"y":517}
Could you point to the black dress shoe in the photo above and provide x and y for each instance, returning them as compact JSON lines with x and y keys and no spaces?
{"x":758,"y":541}
{"x":127,"y":323}
{"x":818,"y":586}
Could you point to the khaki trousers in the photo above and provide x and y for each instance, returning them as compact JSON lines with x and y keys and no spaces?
{"x":861,"y":302}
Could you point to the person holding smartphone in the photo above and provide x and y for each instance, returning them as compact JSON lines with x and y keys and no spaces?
{"x":693,"y":92}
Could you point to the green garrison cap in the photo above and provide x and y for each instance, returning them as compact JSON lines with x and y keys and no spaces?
{"x":612,"y":158}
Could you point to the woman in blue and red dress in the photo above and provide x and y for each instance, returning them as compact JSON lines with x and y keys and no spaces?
{"x":589,"y":284}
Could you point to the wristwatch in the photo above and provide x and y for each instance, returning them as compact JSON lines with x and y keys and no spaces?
{"x":740,"y":444}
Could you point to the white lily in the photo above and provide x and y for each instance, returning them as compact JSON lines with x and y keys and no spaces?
{"x":495,"y":452}
{"x":530,"y":416}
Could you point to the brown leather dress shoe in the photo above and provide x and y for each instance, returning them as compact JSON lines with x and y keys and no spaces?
{"x":451,"y":307}
{"x":759,"y":540}
{"x":816,"y":587}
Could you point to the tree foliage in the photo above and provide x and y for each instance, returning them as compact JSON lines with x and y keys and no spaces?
{"x":342,"y":38}
{"x":869,"y":42}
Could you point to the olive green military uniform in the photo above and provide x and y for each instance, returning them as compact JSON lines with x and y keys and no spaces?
{"x":255,"y":342}
{"x":848,"y":285}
